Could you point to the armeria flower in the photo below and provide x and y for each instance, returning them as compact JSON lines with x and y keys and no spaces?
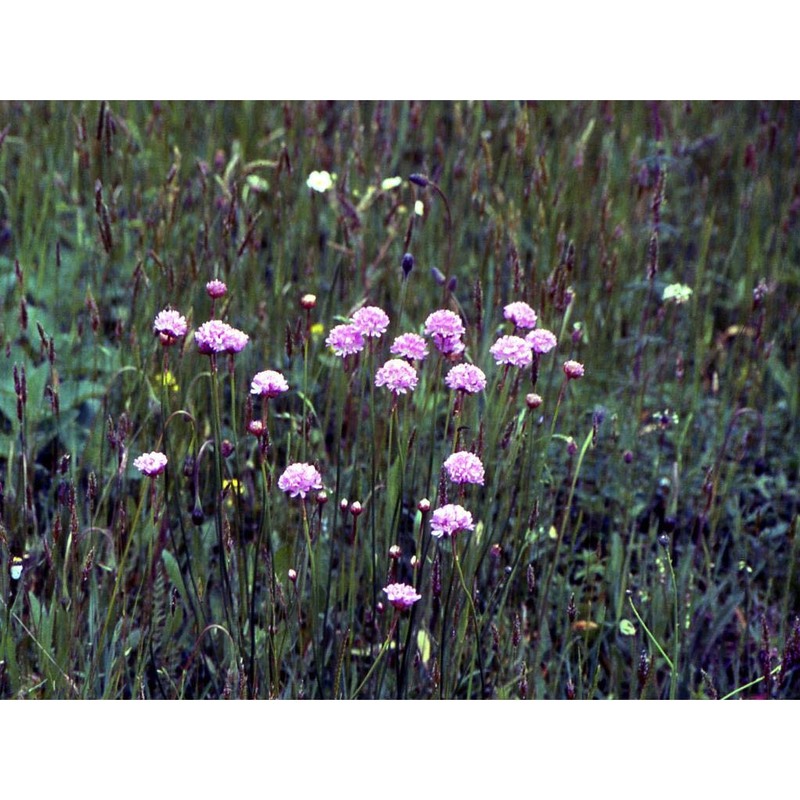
{"x":449,"y":520}
{"x":397,"y":375}
{"x":370,"y":321}
{"x":169,"y":326}
{"x":573,"y":370}
{"x":513,"y":350}
{"x":541,"y":341}
{"x":464,"y":467}
{"x":345,"y":340}
{"x":151,"y":464}
{"x":410,"y":345}
{"x":319,"y":181}
{"x":466,"y":378}
{"x":216,"y":336}
{"x":299,"y":479}
{"x":521,"y":314}
{"x":268,"y":383}
{"x":216,"y":289}
{"x":446,"y":324}
{"x":401,"y":595}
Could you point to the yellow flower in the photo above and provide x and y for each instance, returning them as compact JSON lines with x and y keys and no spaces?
{"x":391,"y":183}
{"x":168,"y":381}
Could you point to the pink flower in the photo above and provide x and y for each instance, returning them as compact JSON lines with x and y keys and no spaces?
{"x":464,"y":467}
{"x":397,"y":375}
{"x":521,"y":314}
{"x":446,"y":329}
{"x":466,"y":378}
{"x":512,"y":350}
{"x":151,"y":464}
{"x":410,"y":345}
{"x":299,"y":479}
{"x":216,"y":336}
{"x":169,"y":326}
{"x":370,"y":321}
{"x":449,"y":520}
{"x":268,"y":383}
{"x":345,"y":340}
{"x":541,"y":341}
{"x":401,"y":595}
{"x":573,"y":370}
{"x":216,"y":289}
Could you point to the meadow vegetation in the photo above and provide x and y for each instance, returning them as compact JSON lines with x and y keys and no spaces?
{"x":574,"y":476}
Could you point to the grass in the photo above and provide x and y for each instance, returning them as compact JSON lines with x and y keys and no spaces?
{"x":635,"y":534}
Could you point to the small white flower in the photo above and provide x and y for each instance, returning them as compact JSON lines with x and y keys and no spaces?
{"x":677,"y":292}
{"x":319,"y":181}
{"x":419,"y":208}
{"x":16,"y":568}
{"x":391,"y":183}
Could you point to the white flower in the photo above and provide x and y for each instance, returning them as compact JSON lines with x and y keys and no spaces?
{"x":677,"y":292}
{"x":319,"y":181}
{"x":391,"y":183}
{"x":419,"y":208}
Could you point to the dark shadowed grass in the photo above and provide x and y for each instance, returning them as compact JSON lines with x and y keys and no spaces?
{"x":635,"y":534}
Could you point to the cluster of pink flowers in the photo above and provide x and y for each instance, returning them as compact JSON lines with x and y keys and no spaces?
{"x":299,"y":479}
{"x":449,"y":519}
{"x":411,"y":346}
{"x":216,"y":289}
{"x":370,"y":321}
{"x":464,"y":467}
{"x":513,"y":350}
{"x":541,"y":341}
{"x":216,"y":336}
{"x":151,"y":464}
{"x":521,"y":314}
{"x":268,"y":383}
{"x":446,"y":329}
{"x":345,"y":340}
{"x":466,"y":378}
{"x":169,"y":326}
{"x":401,"y":595}
{"x":397,"y":375}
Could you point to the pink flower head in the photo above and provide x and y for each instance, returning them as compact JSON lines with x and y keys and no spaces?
{"x":151,"y":464}
{"x":512,"y":350}
{"x":521,"y":314}
{"x":573,"y":370}
{"x":345,"y":340}
{"x":216,"y":336}
{"x":370,"y":321}
{"x":169,"y":326}
{"x":268,"y":383}
{"x":446,"y":329}
{"x":449,"y":520}
{"x":466,"y":378}
{"x":397,"y":375}
{"x":541,"y":341}
{"x":299,"y":479}
{"x":464,"y":467}
{"x":410,"y":345}
{"x":401,"y":595}
{"x":216,"y":289}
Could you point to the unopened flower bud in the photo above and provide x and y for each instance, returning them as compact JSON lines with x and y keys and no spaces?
{"x":292,"y":575}
{"x":407,"y":264}
{"x":322,"y":498}
{"x":424,"y":505}
{"x":226,"y":448}
{"x":308,"y":301}
{"x":395,"y":552}
{"x":344,"y":503}
{"x":533,"y":400}
{"x":256,"y":427}
{"x":356,"y":508}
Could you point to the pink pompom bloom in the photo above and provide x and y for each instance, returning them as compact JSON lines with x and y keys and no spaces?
{"x":401,"y":595}
{"x":541,"y":341}
{"x":410,"y":345}
{"x":446,"y":329}
{"x":216,"y":289}
{"x":216,"y":336}
{"x":521,"y":314}
{"x":464,"y":467}
{"x":345,"y":340}
{"x":151,"y":464}
{"x":370,"y":321}
{"x":573,"y":370}
{"x":397,"y":375}
{"x":449,"y":520}
{"x":466,"y":378}
{"x":169,"y":326}
{"x":513,"y":350}
{"x":268,"y":383}
{"x":299,"y":479}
